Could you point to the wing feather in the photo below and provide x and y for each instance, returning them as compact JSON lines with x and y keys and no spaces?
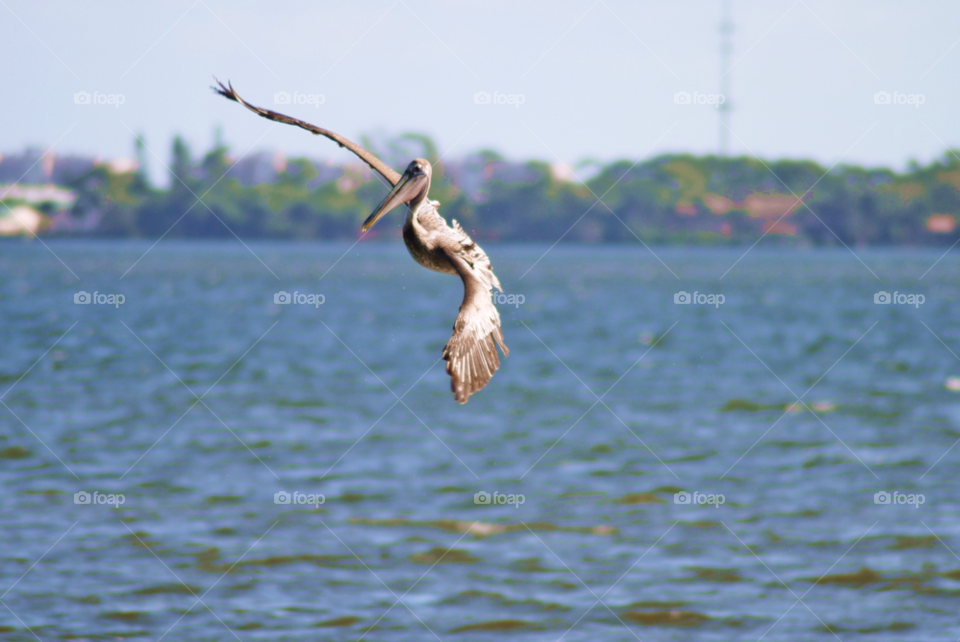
{"x":375,"y":163}
{"x":471,"y":354}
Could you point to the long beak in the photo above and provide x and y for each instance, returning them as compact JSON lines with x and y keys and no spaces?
{"x":404,"y":191}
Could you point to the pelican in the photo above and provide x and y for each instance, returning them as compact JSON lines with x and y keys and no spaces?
{"x":471,"y":353}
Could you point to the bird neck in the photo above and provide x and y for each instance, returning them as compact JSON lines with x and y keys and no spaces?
{"x":417,"y":202}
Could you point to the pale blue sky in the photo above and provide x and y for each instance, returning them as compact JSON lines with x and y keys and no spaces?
{"x":598,"y":79}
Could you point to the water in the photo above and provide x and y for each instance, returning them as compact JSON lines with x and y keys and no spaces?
{"x":304,"y":399}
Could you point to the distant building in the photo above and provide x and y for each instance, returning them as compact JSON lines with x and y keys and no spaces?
{"x":37,"y":194}
{"x":123,"y":165}
{"x":476,"y":170}
{"x":24,"y":167}
{"x":68,"y":168}
{"x":35,"y":166}
{"x":254,"y":169}
{"x":563,"y":173}
{"x":941,"y":223}
{"x":771,"y":209}
{"x":23,"y":219}
{"x":19,"y":216}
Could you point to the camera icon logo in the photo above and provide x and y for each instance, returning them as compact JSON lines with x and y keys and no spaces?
{"x":881,"y":297}
{"x":81,"y":98}
{"x":281,"y":298}
{"x":481,"y":98}
{"x":682,"y":98}
{"x":81,"y":297}
{"x":881,"y":98}
{"x":281,"y":98}
{"x":282,"y":497}
{"x":83,"y":497}
{"x":681,"y":298}
{"x":883,"y":497}
{"x":483,"y":497}
{"x":683,"y":497}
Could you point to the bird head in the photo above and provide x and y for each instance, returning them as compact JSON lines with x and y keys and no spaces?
{"x":411,"y":189}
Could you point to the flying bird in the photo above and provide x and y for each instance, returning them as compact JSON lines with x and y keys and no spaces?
{"x":471,"y":353}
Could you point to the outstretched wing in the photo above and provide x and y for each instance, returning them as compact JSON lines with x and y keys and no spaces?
{"x":375,"y":163}
{"x":471,"y":354}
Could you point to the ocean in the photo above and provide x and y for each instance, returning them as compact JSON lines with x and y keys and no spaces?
{"x":186,"y":457}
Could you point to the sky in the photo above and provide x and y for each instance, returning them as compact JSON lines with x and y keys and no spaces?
{"x":567,"y":82}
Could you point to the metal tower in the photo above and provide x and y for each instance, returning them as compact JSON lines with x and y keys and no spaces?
{"x":726,"y":48}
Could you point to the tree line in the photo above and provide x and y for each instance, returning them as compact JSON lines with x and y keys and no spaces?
{"x":669,"y":199}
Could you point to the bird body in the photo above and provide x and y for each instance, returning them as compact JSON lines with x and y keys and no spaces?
{"x":471,"y":353}
{"x":420,"y":230}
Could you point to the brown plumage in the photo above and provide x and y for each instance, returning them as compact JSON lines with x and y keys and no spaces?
{"x":471,"y":354}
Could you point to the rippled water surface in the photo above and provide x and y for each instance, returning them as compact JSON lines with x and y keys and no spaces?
{"x":199,"y":399}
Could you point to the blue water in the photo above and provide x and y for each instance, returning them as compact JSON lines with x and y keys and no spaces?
{"x":296,"y":398}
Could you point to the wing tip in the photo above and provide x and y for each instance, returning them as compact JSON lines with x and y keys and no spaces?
{"x":227,"y":91}
{"x":456,"y":387}
{"x":475,"y":381}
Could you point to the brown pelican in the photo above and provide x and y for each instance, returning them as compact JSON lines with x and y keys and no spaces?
{"x":471,"y":353}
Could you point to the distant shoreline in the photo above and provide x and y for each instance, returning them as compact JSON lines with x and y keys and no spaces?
{"x":670,"y":200}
